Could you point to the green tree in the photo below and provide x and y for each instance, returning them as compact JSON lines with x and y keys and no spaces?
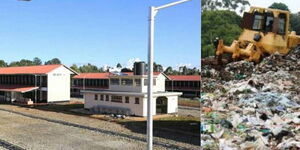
{"x":157,"y":67}
{"x":14,"y":64}
{"x":22,"y":62}
{"x":3,"y":63}
{"x":119,"y":65}
{"x":193,"y":71}
{"x":101,"y":69}
{"x":295,"y":22}
{"x":126,"y":70}
{"x":75,"y":68}
{"x":223,"y":24}
{"x":279,"y":5}
{"x":224,"y":4}
{"x":169,"y":70}
{"x":53,"y":61}
{"x":183,"y":70}
{"x":88,"y":68}
{"x":26,"y":62}
{"x":37,"y":61}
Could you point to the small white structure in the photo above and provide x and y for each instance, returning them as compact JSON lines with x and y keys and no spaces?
{"x":127,"y":94}
{"x":28,"y":84}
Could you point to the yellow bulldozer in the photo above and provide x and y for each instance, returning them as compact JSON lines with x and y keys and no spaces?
{"x":265,"y":31}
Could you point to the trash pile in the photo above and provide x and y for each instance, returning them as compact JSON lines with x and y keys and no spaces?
{"x":256,"y":107}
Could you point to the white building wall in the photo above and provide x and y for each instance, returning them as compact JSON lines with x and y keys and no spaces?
{"x":59,"y":85}
{"x":160,"y":83}
{"x":172,"y":104}
{"x":144,"y":87}
{"x":125,"y":88}
{"x":145,"y":108}
{"x":158,"y":87}
{"x":137,"y":109}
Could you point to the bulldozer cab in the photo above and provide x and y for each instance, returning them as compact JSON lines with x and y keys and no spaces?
{"x":266,"y":20}
{"x":265,"y":32}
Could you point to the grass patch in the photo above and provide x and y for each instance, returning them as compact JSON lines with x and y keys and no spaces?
{"x":188,"y":102}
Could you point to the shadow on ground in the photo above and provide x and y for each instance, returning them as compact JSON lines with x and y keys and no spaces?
{"x":181,"y":129}
{"x":186,"y":131}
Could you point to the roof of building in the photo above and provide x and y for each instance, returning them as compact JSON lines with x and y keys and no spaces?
{"x":104,"y":75}
{"x":92,"y":76}
{"x":184,"y":77}
{"x":17,"y":88}
{"x":131,"y":73}
{"x":42,"y":69}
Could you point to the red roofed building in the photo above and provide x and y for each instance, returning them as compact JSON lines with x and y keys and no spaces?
{"x":93,"y":81}
{"x":44,"y":83}
{"x":188,"y":84}
{"x":89,"y":81}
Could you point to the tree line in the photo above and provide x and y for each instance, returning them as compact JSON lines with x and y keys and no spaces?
{"x":26,"y":62}
{"x":183,"y":70}
{"x":219,"y":19}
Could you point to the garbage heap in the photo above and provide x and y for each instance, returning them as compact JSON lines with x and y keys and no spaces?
{"x":248,"y":106}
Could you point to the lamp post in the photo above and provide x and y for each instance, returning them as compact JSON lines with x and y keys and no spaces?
{"x":152,"y":13}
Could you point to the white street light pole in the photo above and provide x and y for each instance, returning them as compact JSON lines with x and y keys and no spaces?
{"x":153,"y":12}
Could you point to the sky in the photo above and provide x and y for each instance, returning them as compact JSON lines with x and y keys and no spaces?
{"x":292,"y":4}
{"x":100,"y":32}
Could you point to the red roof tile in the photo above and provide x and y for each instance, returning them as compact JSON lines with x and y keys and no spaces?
{"x":184,"y":77}
{"x":92,"y":76}
{"x":17,"y":88}
{"x":42,"y":69}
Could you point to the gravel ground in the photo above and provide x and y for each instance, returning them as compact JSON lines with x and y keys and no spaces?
{"x":34,"y":133}
{"x":188,"y":111}
{"x":38,"y":134}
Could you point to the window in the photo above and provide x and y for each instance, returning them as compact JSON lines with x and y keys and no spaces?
{"x":127,"y":81}
{"x":137,"y":100}
{"x":146,"y":81}
{"x":107,"y":98}
{"x":137,"y":82}
{"x":126,"y":99}
{"x":269,"y":23}
{"x":101,"y":97}
{"x":258,"y":20}
{"x":281,"y":26}
{"x":117,"y":99}
{"x":96,"y":97}
{"x":114,"y":81}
